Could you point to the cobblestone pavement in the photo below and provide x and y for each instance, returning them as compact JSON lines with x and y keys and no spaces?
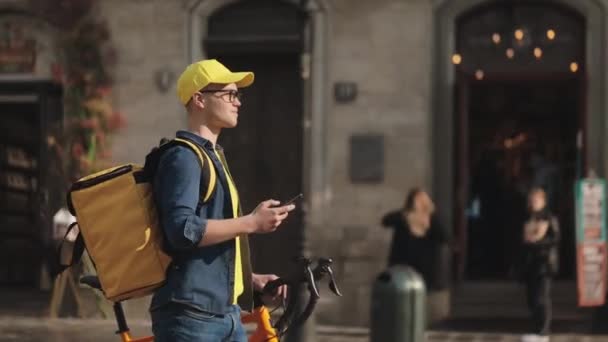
{"x":78,"y":330}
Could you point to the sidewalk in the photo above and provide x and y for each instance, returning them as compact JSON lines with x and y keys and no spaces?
{"x":97,"y":330}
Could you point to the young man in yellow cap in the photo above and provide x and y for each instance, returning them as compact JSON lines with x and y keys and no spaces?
{"x":210,"y":278}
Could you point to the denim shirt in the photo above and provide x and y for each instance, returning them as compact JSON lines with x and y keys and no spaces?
{"x":201,"y":277}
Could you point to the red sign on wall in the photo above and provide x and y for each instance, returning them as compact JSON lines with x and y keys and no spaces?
{"x":591,"y":263}
{"x":591,"y":241}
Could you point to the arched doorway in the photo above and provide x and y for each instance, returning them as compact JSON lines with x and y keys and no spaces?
{"x":265,"y":151}
{"x":520,"y":123}
{"x":447,"y":186}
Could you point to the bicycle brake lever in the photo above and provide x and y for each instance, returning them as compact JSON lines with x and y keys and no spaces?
{"x":312,"y":285}
{"x":302,"y":261}
{"x":333,"y":286}
{"x":325,"y":262}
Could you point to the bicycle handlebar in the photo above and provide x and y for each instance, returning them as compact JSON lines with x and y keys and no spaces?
{"x":303,"y":275}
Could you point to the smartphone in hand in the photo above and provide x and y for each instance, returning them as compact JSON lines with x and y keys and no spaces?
{"x":293,"y":200}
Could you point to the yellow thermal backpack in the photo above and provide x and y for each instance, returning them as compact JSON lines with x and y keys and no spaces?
{"x":119,"y":227}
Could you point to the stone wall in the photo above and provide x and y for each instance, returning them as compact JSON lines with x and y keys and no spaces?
{"x":148,"y":37}
{"x":384,"y":47}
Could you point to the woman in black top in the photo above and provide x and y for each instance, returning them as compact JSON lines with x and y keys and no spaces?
{"x":417,"y":235}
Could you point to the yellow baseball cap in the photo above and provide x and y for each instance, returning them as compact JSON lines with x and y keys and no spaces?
{"x":202,"y":73}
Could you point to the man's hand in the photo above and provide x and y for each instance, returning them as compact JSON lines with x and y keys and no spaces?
{"x":267,"y":216}
{"x":260,"y":280}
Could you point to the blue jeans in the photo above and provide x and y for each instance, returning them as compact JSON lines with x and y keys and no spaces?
{"x":181,"y":323}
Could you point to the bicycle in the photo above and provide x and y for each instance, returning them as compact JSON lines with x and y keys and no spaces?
{"x":265,"y":330}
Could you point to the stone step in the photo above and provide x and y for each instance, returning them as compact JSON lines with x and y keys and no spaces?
{"x":508,"y":299}
{"x":509,"y":293}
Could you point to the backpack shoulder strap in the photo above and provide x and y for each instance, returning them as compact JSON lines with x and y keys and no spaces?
{"x":208,"y":175}
{"x":58,"y":266}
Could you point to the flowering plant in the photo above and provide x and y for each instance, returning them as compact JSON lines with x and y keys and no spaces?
{"x":84,"y":72}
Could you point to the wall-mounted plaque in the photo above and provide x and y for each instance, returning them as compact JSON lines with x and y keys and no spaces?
{"x":367,"y":158}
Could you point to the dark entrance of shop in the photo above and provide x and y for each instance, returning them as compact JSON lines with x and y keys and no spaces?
{"x":521,"y":133}
{"x":30,"y":183}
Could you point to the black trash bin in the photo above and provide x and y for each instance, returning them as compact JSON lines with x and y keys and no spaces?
{"x":398,"y":309}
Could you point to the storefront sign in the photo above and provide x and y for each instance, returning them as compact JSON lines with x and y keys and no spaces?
{"x":591,"y":241}
{"x":17,"y":48}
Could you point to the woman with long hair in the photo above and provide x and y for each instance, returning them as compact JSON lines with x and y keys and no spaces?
{"x":417,"y":235}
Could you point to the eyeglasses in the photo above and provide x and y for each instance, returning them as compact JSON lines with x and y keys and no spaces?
{"x":227,"y":95}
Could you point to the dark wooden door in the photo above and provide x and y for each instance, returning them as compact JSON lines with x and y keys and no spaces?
{"x":265,"y":150}
{"x":461,"y":193}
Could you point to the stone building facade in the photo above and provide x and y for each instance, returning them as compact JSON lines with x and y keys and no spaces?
{"x":376,"y":110}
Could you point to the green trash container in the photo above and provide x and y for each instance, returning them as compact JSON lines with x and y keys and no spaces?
{"x":398,"y":309}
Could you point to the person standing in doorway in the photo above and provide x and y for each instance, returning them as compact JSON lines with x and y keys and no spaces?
{"x":209,"y":280}
{"x":540,"y":239}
